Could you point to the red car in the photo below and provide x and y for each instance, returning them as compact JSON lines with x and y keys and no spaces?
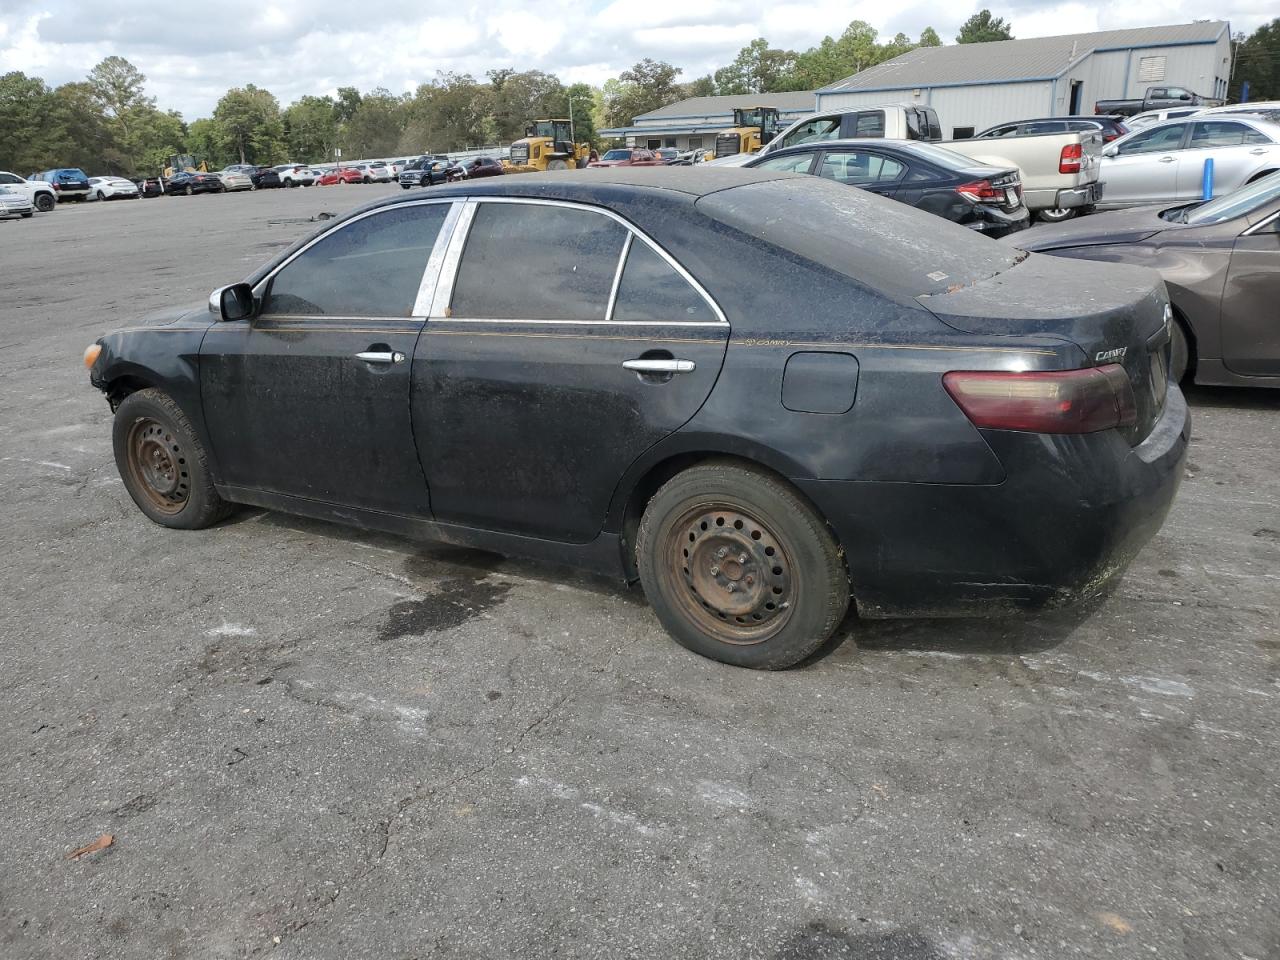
{"x":627,"y":157}
{"x":341,"y":175}
{"x":483,"y":167}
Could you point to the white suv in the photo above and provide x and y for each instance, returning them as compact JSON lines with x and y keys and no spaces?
{"x":40,"y":194}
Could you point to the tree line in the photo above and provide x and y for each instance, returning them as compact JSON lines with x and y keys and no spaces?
{"x":106,"y":123}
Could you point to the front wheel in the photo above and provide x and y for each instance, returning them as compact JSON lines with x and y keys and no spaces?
{"x":1055,"y":214}
{"x":189,"y":191}
{"x":1179,"y":353}
{"x":162,"y":463}
{"x":739,"y":568}
{"x":557,"y":164}
{"x":44,"y":203}
{"x":101,"y":195}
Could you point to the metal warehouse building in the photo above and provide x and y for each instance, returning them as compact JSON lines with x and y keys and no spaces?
{"x":693,"y":124}
{"x":977,"y":85}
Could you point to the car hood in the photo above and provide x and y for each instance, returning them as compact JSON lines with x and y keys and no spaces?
{"x":1121,"y":226}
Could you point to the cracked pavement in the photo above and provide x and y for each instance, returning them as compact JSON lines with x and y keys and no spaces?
{"x":312,"y":742}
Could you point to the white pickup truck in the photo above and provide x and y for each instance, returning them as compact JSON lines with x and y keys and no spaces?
{"x":1059,"y":170}
{"x":38,"y":192}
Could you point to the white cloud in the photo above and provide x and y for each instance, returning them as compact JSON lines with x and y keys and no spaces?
{"x":191,"y":61}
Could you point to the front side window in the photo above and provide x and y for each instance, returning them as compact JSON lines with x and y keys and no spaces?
{"x":371,"y":267}
{"x":9,"y":178}
{"x":819,"y":128}
{"x":652,"y":289}
{"x":1038,"y":127}
{"x":791,"y":163}
{"x":1154,"y":141}
{"x":860,"y":167}
{"x":617,"y":155}
{"x":526,"y":261}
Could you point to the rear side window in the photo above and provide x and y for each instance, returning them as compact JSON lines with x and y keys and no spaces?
{"x":869,"y":124}
{"x":528,"y":261}
{"x":859,"y":167}
{"x":652,"y":289}
{"x":1223,"y":133}
{"x":369,"y":268}
{"x":1038,"y":127}
{"x":819,"y":128}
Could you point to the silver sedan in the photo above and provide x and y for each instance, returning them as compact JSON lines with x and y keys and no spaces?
{"x":1165,"y":162}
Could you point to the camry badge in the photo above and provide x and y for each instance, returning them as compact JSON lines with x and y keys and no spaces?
{"x":1116,"y":354}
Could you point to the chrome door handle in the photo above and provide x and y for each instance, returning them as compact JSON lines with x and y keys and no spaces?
{"x":1166,"y":159}
{"x":379,"y":356}
{"x":659,"y":366}
{"x":1258,"y":151}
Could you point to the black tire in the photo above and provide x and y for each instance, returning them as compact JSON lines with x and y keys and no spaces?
{"x":1179,"y":353}
{"x":189,"y":192}
{"x":739,"y":568}
{"x":102,"y":196}
{"x":44,"y":203}
{"x":1057,"y":215}
{"x":162,"y":463}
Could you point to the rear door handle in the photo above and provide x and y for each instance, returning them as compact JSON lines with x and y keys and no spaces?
{"x":1166,"y":159}
{"x":1258,"y":151}
{"x":659,"y":366}
{"x":381,"y":356}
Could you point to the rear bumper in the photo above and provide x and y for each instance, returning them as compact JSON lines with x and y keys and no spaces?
{"x":1072,"y":513}
{"x":1086,"y":196}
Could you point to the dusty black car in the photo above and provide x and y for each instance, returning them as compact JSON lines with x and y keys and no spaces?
{"x":186,"y":182}
{"x":757,"y":415}
{"x":1220,"y":260}
{"x":984,"y":198}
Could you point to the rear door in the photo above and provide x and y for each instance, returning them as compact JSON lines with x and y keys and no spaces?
{"x":561,"y":345}
{"x":1235,"y":148}
{"x":869,"y":169}
{"x":310,"y":398}
{"x":1145,"y":167}
{"x":1250,"y":324}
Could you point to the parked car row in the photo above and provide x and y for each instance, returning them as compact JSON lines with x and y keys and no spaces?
{"x":428,"y":171}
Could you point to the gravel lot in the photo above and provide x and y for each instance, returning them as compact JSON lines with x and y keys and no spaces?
{"x":311,"y":742}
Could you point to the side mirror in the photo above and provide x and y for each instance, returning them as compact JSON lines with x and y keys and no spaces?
{"x":1110,"y":150}
{"x":1184,"y":96}
{"x":234,"y":302}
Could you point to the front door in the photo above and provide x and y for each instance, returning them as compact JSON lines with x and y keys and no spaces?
{"x":1250,"y":322}
{"x":311,"y":397}
{"x":1145,"y":167}
{"x":564,"y":346}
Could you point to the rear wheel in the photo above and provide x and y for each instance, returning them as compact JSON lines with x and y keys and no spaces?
{"x":44,"y":202}
{"x":101,"y":195}
{"x":739,"y":568}
{"x":189,"y":191}
{"x":1056,"y":214}
{"x":162,"y":464}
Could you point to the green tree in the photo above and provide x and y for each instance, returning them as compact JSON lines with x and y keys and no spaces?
{"x":584,"y":110}
{"x":519,"y":98}
{"x":118,"y":85}
{"x":982,"y":27}
{"x":834,"y":59}
{"x":929,"y":38}
{"x":310,"y":129}
{"x":91,"y":145}
{"x":206,"y":141}
{"x":374,"y":129}
{"x":347,"y":104}
{"x":758,"y":68}
{"x":701,"y":87}
{"x":453,"y":112}
{"x":248,"y":124}
{"x":33,"y":133}
{"x":1258,"y":61}
{"x":648,"y":85}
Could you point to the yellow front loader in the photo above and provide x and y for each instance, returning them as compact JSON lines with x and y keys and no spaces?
{"x":547,"y":145}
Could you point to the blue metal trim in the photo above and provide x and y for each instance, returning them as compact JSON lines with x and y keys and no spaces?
{"x":917,"y":86}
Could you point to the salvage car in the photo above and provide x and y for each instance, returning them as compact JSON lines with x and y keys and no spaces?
{"x":924,"y":175}
{"x":1220,"y":260}
{"x":233,"y":180}
{"x":758,"y":416}
{"x":483,"y":167}
{"x":1164,"y":162}
{"x":628,"y":157}
{"x":340,"y":176}
{"x":41,"y":195}
{"x":14,"y":205}
{"x":186,"y":182}
{"x":69,"y":183}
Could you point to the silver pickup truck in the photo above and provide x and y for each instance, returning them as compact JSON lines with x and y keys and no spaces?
{"x":1059,"y":170}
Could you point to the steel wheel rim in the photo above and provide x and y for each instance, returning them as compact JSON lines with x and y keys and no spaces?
{"x":158,"y":466}
{"x":729,"y":573}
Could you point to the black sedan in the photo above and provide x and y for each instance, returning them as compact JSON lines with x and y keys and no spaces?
{"x":1220,"y":260}
{"x":955,"y":187}
{"x":758,"y":415}
{"x":185,"y":182}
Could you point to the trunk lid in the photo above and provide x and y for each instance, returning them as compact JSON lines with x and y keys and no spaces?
{"x":1114,"y":313}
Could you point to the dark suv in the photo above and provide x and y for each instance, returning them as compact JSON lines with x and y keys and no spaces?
{"x":70,"y":183}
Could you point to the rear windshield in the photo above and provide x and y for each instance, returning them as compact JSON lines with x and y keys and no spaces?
{"x":893,"y":248}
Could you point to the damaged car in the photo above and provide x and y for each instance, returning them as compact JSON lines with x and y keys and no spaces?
{"x":762,"y":418}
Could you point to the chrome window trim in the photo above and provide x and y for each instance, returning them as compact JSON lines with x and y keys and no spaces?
{"x":452,"y":256}
{"x":617,"y":275}
{"x":260,"y":288}
{"x":431,"y":274}
{"x":1261,"y":225}
{"x":449,"y":270}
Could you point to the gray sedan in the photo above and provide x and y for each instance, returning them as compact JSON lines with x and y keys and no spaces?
{"x":1164,"y":163}
{"x":1221,"y":262}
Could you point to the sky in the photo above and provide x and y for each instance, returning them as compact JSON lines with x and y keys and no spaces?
{"x":192,"y":53}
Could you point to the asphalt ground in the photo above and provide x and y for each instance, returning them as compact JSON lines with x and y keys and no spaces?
{"x":311,"y":742}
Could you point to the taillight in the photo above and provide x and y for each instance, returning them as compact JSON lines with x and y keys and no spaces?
{"x":56,"y":185}
{"x":1069,"y":159}
{"x":980,"y":190}
{"x":1045,"y":401}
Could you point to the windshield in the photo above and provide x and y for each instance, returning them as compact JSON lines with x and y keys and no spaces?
{"x":617,"y":155}
{"x":1236,"y":204}
{"x":882,"y":243}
